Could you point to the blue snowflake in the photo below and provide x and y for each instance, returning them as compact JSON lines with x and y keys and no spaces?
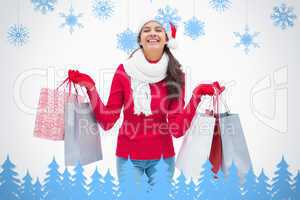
{"x":18,"y":35}
{"x":103,"y":9}
{"x":44,"y":6}
{"x":220,"y":5}
{"x":127,"y":41}
{"x":246,"y":39}
{"x":283,"y":16}
{"x":71,"y":20}
{"x":194,"y":28}
{"x":167,"y":15}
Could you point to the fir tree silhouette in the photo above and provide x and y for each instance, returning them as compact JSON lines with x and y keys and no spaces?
{"x":128,"y":182}
{"x":194,"y":190}
{"x":281,"y":183}
{"x":27,"y":191}
{"x":296,"y":187}
{"x":250,"y":186}
{"x":173,"y":188}
{"x":9,"y":182}
{"x":221,"y":190}
{"x":180,"y":187}
{"x":232,"y":184}
{"x":96,"y":186}
{"x":263,"y":188}
{"x":79,"y":186}
{"x":207,"y":182}
{"x":38,"y":192}
{"x":162,"y":182}
{"x":110,"y":191}
{"x":66,"y":185}
{"x":53,"y":184}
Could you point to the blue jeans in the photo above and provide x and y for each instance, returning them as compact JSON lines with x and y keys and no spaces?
{"x":147,"y":167}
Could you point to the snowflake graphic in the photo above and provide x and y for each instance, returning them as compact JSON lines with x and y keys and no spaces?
{"x":44,"y":6}
{"x":18,"y":35}
{"x":246,"y":39}
{"x":194,"y":28}
{"x":283,"y":16}
{"x":167,"y":15}
{"x":103,"y":9}
{"x":220,"y":5}
{"x":71,"y":20}
{"x":127,"y":41}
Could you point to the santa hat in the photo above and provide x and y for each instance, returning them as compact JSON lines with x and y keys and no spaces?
{"x":171,"y":30}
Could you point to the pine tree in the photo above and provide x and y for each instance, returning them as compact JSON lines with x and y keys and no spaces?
{"x":250,"y":186}
{"x":79,"y":186}
{"x":221,"y":190}
{"x":162,"y":182}
{"x":296,"y":187}
{"x":53,"y":184}
{"x":38,"y":192}
{"x":207,"y":182}
{"x":27,"y":191}
{"x":109,"y":188}
{"x":281,"y":183}
{"x":66,"y":185}
{"x":96,"y":186}
{"x":263,"y":188}
{"x":9,"y":183}
{"x":180,"y":188}
{"x":128,"y":182}
{"x":195,"y":188}
{"x":232,"y":184}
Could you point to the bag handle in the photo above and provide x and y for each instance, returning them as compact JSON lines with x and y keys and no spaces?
{"x":217,"y":99}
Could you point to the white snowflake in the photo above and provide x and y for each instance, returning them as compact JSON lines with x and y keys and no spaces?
{"x":220,"y":5}
{"x":167,"y":15}
{"x":246,"y":39}
{"x":283,"y":16}
{"x":71,"y":20}
{"x":18,"y":35}
{"x":103,"y":9}
{"x":194,"y":28}
{"x":44,"y":6}
{"x":127,"y":41}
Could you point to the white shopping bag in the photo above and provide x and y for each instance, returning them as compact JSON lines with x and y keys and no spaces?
{"x":234,"y":146}
{"x":195,"y":148}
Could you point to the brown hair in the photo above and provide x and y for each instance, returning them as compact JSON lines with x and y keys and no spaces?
{"x":175,"y":75}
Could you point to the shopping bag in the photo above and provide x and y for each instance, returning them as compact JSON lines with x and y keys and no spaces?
{"x":215,"y":156}
{"x":196,"y":146}
{"x":234,"y":146}
{"x":82,"y":142}
{"x":49,"y":121}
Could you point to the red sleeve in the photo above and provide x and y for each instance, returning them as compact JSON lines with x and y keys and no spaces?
{"x":179,"y":115}
{"x":107,"y":115}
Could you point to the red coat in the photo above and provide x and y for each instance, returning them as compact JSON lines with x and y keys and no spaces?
{"x":143,"y":137}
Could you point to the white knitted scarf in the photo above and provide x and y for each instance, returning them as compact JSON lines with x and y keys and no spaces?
{"x":141,"y":73}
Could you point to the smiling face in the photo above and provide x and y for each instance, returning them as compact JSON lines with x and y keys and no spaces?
{"x":152,"y":36}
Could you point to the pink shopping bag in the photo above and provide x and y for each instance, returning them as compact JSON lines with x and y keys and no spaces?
{"x":49,"y":122}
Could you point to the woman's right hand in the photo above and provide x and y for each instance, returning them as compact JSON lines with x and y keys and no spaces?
{"x":82,"y":79}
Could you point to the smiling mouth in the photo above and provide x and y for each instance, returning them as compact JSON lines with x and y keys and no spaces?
{"x":153,"y":41}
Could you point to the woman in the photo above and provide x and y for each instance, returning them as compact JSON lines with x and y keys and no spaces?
{"x":150,"y":87}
